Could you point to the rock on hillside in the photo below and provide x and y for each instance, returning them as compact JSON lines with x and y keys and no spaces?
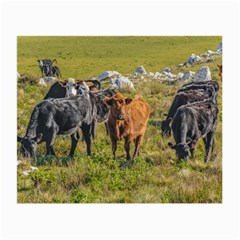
{"x":203,"y":74}
{"x":108,"y":74}
{"x":188,"y":76}
{"x":139,"y":70}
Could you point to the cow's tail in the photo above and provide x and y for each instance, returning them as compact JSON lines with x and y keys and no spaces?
{"x":32,"y":125}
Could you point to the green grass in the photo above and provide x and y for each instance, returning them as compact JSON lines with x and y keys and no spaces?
{"x":154,"y":177}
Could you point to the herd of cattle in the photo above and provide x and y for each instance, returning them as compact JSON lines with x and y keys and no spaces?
{"x":73,"y":104}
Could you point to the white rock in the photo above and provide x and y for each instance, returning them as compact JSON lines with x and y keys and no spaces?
{"x":49,"y":79}
{"x":166,"y":70}
{"x":170,"y":75}
{"x":203,"y":74}
{"x":209,"y":52}
{"x":158,"y":75}
{"x":180,"y":75}
{"x":121,"y":82}
{"x":193,"y":59}
{"x":26,"y":173}
{"x":42,"y":82}
{"x":181,"y":65}
{"x":151,"y":74}
{"x":19,"y":162}
{"x":219,"y":49}
{"x":188,"y":76}
{"x":209,"y":59}
{"x":204,"y":54}
{"x":33,"y":168}
{"x":139,"y":70}
{"x":107,"y":74}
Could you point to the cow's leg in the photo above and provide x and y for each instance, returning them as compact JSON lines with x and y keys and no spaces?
{"x":93,"y":129}
{"x":50,"y":141}
{"x":114,"y":146}
{"x":208,"y":142}
{"x":137,"y":146}
{"x":106,"y":126}
{"x":74,"y":138}
{"x":127,"y":148}
{"x":86,"y":131}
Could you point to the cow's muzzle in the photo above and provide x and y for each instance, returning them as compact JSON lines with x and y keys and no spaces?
{"x":121,"y":117}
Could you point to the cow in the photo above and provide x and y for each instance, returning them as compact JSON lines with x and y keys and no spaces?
{"x":127,"y":120}
{"x":70,"y":87}
{"x":220,"y":71}
{"x":54,"y":71}
{"x":48,"y":62}
{"x":45,"y":67}
{"x":191,"y":122}
{"x":204,"y":85}
{"x":54,"y":117}
{"x":183,"y":98}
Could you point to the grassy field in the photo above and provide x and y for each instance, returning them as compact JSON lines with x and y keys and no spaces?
{"x":154,"y":177}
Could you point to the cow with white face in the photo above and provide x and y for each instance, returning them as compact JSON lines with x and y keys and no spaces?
{"x":71,"y":87}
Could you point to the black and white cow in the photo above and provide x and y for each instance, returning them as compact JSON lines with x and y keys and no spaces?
{"x":54,"y":117}
{"x":48,"y":69}
{"x":44,"y":65}
{"x":47,"y":62}
{"x":191,"y":122}
{"x":71,"y":87}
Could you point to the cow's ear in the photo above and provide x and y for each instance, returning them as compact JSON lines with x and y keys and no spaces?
{"x":38,"y":138}
{"x":78,"y":81}
{"x":108,"y":101}
{"x":128,"y":100}
{"x":62,"y":83}
{"x":19,"y":139}
{"x":171,"y":145}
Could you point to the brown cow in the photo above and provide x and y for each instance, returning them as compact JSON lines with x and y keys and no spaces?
{"x":127,"y":120}
{"x":220,"y":71}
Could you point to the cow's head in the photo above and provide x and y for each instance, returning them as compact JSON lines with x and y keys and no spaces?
{"x":102,"y":109}
{"x":40,"y":63}
{"x":182,"y":150}
{"x":29,"y":145}
{"x":165,"y":127}
{"x":82,"y":86}
{"x":118,"y":105}
{"x":71,"y":87}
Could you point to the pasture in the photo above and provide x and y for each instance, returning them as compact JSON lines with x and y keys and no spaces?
{"x":154,"y":177}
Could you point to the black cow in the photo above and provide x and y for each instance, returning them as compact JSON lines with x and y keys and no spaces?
{"x":61,"y":116}
{"x":183,"y":98}
{"x":203,"y":85}
{"x":57,"y":90}
{"x":191,"y":122}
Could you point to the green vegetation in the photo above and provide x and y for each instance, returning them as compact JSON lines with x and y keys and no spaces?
{"x":154,"y":177}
